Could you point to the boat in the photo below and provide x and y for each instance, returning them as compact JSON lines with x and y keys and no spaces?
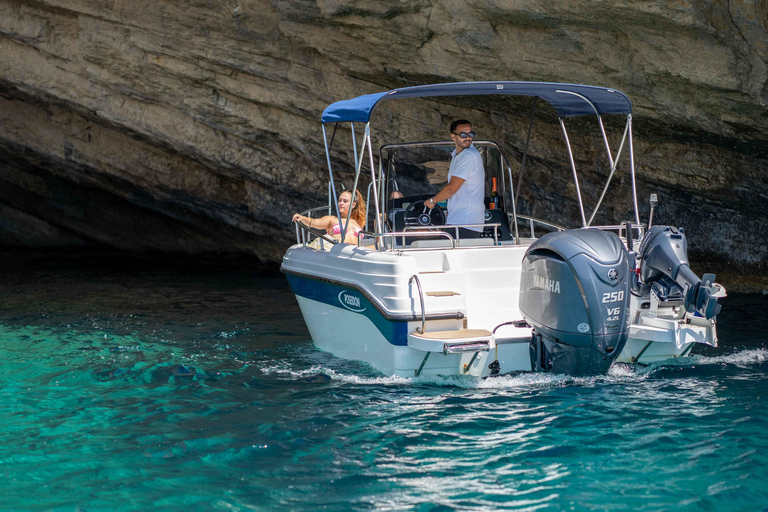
{"x":412,"y":297}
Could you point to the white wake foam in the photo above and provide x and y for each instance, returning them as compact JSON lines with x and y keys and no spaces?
{"x":617,"y":374}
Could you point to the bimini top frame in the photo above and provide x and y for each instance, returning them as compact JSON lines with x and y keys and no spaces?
{"x":565,"y":98}
{"x":568,"y":100}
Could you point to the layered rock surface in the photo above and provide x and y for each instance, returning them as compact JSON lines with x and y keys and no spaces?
{"x":192,"y":126}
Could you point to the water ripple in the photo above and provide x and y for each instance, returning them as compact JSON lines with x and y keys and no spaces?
{"x":149,"y":390}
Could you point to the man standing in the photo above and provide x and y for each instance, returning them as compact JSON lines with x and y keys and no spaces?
{"x":465,"y":190}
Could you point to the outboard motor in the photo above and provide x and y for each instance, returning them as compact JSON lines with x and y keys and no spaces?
{"x":664,"y":268}
{"x":575,"y":294}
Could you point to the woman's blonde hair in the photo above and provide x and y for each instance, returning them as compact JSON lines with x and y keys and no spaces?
{"x":359,"y":211}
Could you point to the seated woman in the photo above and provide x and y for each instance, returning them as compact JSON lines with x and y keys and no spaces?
{"x":331,"y":224}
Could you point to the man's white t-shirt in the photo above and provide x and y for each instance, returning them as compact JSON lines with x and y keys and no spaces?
{"x":467,"y":206}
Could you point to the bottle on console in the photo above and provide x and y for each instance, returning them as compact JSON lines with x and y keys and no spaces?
{"x":494,"y":203}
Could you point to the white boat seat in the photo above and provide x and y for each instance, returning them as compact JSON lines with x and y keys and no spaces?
{"x":444,"y":242}
{"x":367,"y":242}
{"x":458,"y":334}
{"x":438,"y":242}
{"x":475,"y":242}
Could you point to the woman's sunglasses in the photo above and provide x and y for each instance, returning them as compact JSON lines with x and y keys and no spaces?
{"x":464,"y":135}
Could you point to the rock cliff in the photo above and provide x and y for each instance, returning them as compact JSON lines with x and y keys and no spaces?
{"x":192,"y":126}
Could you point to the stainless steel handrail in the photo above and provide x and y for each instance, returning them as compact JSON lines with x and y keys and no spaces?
{"x":622,"y":229}
{"x":456,"y":227}
{"x":393,"y":234}
{"x":413,"y":231}
{"x":533,"y":220}
{"x":421,"y":300}
{"x":302,"y":229}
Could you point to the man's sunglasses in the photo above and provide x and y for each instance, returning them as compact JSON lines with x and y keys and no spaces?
{"x":464,"y":135}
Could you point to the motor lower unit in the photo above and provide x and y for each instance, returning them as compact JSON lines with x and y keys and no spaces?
{"x":575,"y":294}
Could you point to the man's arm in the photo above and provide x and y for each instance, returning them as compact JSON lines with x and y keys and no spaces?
{"x":449,"y":190}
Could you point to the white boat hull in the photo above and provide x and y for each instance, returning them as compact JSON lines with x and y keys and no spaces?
{"x":361,"y":304}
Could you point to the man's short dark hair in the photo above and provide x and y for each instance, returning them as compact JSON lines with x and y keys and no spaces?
{"x":458,"y":122}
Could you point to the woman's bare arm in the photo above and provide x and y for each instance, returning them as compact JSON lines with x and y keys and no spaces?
{"x":326,"y":222}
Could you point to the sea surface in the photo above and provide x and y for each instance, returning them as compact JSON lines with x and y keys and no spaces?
{"x":168,"y":384}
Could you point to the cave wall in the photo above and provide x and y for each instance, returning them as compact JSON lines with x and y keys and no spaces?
{"x":192,"y":126}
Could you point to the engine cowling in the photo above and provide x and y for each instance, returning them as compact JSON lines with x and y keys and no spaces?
{"x":665,"y":268}
{"x":575,"y":294}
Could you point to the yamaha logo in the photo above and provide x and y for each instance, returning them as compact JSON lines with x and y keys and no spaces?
{"x":613,"y":275}
{"x":542,"y":283}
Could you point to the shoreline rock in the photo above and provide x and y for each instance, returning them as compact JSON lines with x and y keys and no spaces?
{"x":194,"y":128}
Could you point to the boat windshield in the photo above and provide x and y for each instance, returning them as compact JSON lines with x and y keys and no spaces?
{"x":415,"y":172}
{"x":420,"y":170}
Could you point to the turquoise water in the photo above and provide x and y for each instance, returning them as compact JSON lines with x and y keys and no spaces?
{"x":130,"y":385}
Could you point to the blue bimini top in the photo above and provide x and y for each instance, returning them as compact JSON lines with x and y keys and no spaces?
{"x":567,"y":99}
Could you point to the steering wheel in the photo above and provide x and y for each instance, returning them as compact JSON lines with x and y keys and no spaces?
{"x":419,"y":215}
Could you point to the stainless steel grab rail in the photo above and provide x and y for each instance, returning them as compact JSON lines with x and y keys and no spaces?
{"x":391,"y":246}
{"x":421,"y":299}
{"x":455,"y":228}
{"x":533,"y":221}
{"x":304,"y":232}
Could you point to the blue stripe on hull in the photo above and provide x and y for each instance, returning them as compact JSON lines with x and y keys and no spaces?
{"x":396,"y":332}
